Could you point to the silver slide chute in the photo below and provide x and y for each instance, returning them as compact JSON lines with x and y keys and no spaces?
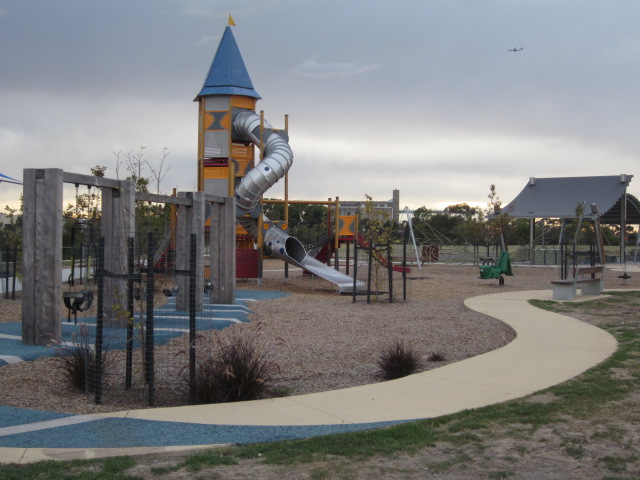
{"x":277,"y":160}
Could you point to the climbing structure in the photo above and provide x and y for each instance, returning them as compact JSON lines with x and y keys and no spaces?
{"x":223,"y":158}
{"x":229,"y":128}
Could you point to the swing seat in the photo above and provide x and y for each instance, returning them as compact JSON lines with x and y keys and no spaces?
{"x":78,"y":301}
{"x":72,"y":299}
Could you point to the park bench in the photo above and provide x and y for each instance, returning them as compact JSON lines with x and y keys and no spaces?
{"x":497,"y":269}
{"x":589,"y":279}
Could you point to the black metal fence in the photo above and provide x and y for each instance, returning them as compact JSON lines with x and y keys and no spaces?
{"x":10,"y":258}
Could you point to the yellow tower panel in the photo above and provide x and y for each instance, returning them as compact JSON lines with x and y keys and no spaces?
{"x":216,"y":172}
{"x":243,"y":102}
{"x":216,"y":120}
{"x":242,"y":152}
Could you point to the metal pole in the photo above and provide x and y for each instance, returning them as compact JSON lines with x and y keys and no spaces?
{"x":192,"y":316}
{"x":369,"y":273}
{"x":149,"y":333}
{"x":623,"y":228}
{"x":99,"y":322}
{"x":336,"y":244}
{"x":390,"y":272}
{"x":130,"y":313}
{"x":348,"y":256}
{"x":15,"y":265}
{"x":405,"y":239}
{"x":355,"y":270}
{"x":6,"y":280}
{"x":413,"y":237}
{"x":532,"y":247}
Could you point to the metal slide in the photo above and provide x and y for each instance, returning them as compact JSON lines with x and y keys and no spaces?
{"x":277,"y":160}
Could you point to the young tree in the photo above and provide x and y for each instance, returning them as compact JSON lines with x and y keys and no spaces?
{"x":378,"y":231}
{"x":151,"y":218}
{"x":496,"y":221}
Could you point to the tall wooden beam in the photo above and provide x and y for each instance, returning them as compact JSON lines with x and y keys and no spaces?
{"x":190,"y":220}
{"x":222,"y":252}
{"x":42,"y":256}
{"x":118,"y":225}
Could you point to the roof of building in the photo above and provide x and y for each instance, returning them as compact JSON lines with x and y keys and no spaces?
{"x":559,"y":198}
{"x":228,"y":74}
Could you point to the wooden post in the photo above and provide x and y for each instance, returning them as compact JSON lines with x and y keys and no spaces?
{"x":223,"y":252}
{"x":182,"y":254}
{"x":42,"y":256}
{"x":190,"y":221}
{"x":118,"y":225}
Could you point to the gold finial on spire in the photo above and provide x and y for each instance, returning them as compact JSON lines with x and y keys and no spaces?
{"x":231,"y":23}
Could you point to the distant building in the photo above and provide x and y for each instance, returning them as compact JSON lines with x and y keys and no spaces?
{"x":390,"y":209}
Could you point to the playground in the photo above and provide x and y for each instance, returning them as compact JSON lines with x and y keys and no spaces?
{"x":220,"y":265}
{"x":340,"y":350}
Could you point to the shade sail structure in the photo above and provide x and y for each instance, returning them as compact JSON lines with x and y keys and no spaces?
{"x":4,"y":178}
{"x":559,"y":198}
{"x":613,"y":215}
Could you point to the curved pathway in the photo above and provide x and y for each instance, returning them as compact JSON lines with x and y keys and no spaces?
{"x":549,"y":348}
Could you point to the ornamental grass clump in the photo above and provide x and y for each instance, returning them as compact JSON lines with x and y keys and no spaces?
{"x":397,"y":361}
{"x":233,"y":367}
{"x":79,"y":361}
{"x":437,"y":357}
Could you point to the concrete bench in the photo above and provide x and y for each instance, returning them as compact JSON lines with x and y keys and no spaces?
{"x":590,"y":280}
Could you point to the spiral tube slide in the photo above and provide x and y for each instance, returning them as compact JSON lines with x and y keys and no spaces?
{"x":277,"y":160}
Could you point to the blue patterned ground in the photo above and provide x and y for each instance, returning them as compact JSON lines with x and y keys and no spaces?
{"x":23,"y":428}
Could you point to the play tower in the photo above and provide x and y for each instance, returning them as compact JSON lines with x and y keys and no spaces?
{"x":223,"y":158}
{"x":229,"y":129}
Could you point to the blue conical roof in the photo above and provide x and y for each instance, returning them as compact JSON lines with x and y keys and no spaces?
{"x":228,"y":75}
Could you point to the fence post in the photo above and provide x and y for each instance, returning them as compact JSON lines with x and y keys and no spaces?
{"x":130,"y":312}
{"x":149,"y":332}
{"x":369,"y":273}
{"x":6,"y":280}
{"x":15,"y":265}
{"x":355,"y":270}
{"x":405,"y":240}
{"x":390,"y":271}
{"x":99,"y":322}
{"x":192,"y":314}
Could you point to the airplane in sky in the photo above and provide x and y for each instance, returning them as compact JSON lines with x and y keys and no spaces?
{"x":514,"y":49}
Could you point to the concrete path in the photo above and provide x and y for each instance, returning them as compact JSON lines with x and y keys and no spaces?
{"x":549,"y":349}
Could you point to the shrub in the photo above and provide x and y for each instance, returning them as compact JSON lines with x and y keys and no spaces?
{"x":231,"y":368}
{"x":436,"y":357}
{"x":79,"y":360}
{"x":397,"y":361}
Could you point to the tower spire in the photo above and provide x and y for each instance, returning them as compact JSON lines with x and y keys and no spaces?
{"x":228,"y":74}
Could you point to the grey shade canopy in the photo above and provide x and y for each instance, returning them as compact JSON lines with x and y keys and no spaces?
{"x":559,"y":197}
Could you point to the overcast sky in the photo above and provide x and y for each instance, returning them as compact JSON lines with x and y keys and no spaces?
{"x":423,"y":96}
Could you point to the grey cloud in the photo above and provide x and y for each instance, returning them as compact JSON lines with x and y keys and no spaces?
{"x":313,"y":68}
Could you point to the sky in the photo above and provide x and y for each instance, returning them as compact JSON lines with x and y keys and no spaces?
{"x":423,"y":96}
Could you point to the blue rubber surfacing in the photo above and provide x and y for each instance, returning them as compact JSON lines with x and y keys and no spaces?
{"x":123,"y":432}
{"x":214,"y":317}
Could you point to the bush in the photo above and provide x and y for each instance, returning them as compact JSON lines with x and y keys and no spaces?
{"x":436,"y":357}
{"x":397,"y":361}
{"x":79,"y":360}
{"x":231,"y":368}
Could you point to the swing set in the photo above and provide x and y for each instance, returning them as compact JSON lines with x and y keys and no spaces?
{"x":82,"y":243}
